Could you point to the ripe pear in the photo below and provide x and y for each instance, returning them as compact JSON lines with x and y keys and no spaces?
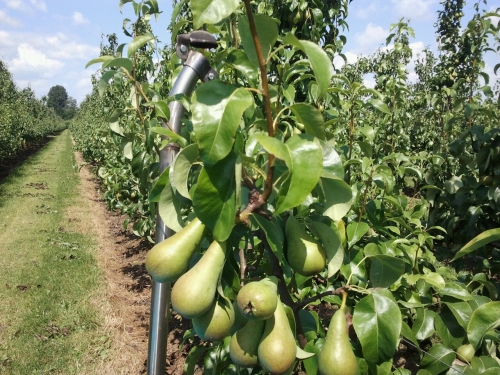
{"x":277,"y":348}
{"x":257,"y":300}
{"x":305,"y":255}
{"x":169,"y":259}
{"x":244,"y":344}
{"x":336,"y":356}
{"x":216,"y":322}
{"x":194,"y":292}
{"x":239,"y":320}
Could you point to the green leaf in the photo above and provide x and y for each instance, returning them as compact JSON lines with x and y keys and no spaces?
{"x":462,"y":312}
{"x":239,"y":60}
{"x":116,"y":128}
{"x":137,"y":43}
{"x":217,"y":108}
{"x":119,"y":62}
{"x":332,"y":163}
{"x":169,"y":208}
{"x":304,"y":155}
{"x":214,"y":198}
{"x":377,"y":322}
{"x":211,"y":11}
{"x":456,"y":291}
{"x":478,"y":242}
{"x":448,"y":329}
{"x":482,"y":320}
{"x":337,"y":198}
{"x":100,"y":59}
{"x":355,"y":231}
{"x":273,"y":232}
{"x":311,"y":117}
{"x":170,"y":134}
{"x":302,"y":354}
{"x":154,"y":195}
{"x":423,"y":326}
{"x":321,"y":64}
{"x":332,"y":242}
{"x":385,"y":270}
{"x":181,"y":167}
{"x":162,"y":109}
{"x":103,"y":82}
{"x":267,"y":30}
{"x":408,"y":334}
{"x":439,"y":359}
{"x":379,"y":105}
{"x":192,"y":358}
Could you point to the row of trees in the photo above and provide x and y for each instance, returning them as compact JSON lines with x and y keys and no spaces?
{"x":393,"y":181}
{"x":23,"y":118}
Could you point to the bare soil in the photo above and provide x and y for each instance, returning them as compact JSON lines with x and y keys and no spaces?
{"x":121,"y":257}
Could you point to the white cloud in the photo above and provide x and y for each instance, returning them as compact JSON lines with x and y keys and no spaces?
{"x":31,"y":60}
{"x":7,"y":20}
{"x":367,"y":12}
{"x":34,"y":5}
{"x":15,"y":4}
{"x":414,"y":8}
{"x":79,"y":18}
{"x":371,"y":39}
{"x":339,"y":62}
{"x":39,"y":5}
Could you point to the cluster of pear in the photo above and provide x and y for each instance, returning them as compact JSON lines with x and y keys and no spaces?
{"x":257,"y":320}
{"x":265,"y":337}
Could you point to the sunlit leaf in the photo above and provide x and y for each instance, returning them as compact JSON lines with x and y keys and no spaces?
{"x":217,"y":108}
{"x":211,"y":11}
{"x":479,"y":241}
{"x":377,"y":322}
{"x":385,"y":270}
{"x":311,"y":117}
{"x":332,"y":242}
{"x":137,"y":43}
{"x":483,"y":319}
{"x":181,"y":167}
{"x":321,"y":64}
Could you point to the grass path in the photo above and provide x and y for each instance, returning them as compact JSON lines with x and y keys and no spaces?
{"x":51,"y":317}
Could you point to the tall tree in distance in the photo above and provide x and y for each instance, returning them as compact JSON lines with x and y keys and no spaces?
{"x":57,"y":98}
{"x":64,"y":105}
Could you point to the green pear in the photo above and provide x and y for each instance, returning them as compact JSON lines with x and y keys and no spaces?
{"x":194,"y":292}
{"x":305,"y":255}
{"x":216,"y":322}
{"x":169,"y":259}
{"x":239,"y":320}
{"x":245,"y":343}
{"x":336,"y":356}
{"x":277,"y":348}
{"x":258,"y":299}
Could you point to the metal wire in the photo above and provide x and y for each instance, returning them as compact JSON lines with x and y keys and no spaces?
{"x":430,"y":355}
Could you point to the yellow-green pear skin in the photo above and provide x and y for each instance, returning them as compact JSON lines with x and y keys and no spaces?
{"x":244,"y":344}
{"x":277,"y":348}
{"x":305,"y":255}
{"x":239,"y":320}
{"x":194,"y":292}
{"x":258,"y":299}
{"x":216,"y":322}
{"x":169,"y":259}
{"x":337,"y":356}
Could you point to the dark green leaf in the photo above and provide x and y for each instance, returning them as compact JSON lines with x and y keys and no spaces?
{"x":162,"y":110}
{"x":119,"y":62}
{"x":479,"y":241}
{"x":377,"y":322}
{"x":239,"y":60}
{"x":273,"y":232}
{"x":217,"y":108}
{"x":214,"y":198}
{"x":439,"y":359}
{"x":483,"y":319}
{"x":385,"y":270}
{"x":181,"y":167}
{"x":355,"y":231}
{"x":170,"y":134}
{"x":379,"y":105}
{"x":159,"y":185}
{"x":311,"y":117}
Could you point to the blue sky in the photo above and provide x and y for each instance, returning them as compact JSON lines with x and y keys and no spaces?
{"x":48,"y":42}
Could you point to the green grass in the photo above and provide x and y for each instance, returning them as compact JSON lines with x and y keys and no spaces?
{"x":50,"y":282}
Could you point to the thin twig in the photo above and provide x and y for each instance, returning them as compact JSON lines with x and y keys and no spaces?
{"x":243,"y":266}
